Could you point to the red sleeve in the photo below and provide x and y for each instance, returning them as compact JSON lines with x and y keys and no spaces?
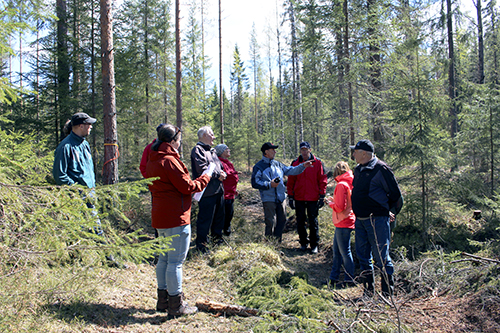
{"x":339,"y":198}
{"x":181,"y":180}
{"x":144,"y":159}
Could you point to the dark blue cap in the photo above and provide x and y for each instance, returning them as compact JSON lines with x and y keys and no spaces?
{"x":305,"y":144}
{"x":365,"y":145}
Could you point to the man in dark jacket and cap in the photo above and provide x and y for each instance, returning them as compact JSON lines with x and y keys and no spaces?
{"x":375,"y":198}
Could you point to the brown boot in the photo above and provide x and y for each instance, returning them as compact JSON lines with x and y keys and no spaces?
{"x":162,"y":304}
{"x":177,"y":306}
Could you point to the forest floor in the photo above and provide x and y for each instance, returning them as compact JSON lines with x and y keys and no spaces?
{"x":125,"y":299}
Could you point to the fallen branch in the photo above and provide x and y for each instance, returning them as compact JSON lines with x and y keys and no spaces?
{"x":465,"y":254}
{"x":235,"y":310}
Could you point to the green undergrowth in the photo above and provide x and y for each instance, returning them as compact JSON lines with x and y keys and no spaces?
{"x":285,"y":299}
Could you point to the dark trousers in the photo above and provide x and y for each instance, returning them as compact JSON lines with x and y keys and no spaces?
{"x":311,"y":207}
{"x":210,"y":219}
{"x":228,"y":212}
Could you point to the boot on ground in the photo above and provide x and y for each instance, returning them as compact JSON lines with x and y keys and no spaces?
{"x":178,"y":307}
{"x":162,"y":303}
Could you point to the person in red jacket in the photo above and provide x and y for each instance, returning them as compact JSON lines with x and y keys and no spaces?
{"x":170,"y":215}
{"x":145,"y":154}
{"x":229,"y":184}
{"x":306,"y":192}
{"x":343,"y":219}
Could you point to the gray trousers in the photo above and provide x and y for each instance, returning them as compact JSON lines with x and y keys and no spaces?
{"x":275,"y":218}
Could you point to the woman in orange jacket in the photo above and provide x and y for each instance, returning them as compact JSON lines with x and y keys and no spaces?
{"x":170,"y":215}
{"x":343,"y":219}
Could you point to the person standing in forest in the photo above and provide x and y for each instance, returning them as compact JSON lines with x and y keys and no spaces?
{"x":343,"y":219}
{"x":230,"y":183}
{"x":73,"y":162}
{"x":376,"y":197}
{"x":306,"y":194}
{"x":171,"y":216}
{"x":211,"y":205}
{"x":268,"y":177}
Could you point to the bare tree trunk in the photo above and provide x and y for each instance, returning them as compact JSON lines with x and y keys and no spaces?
{"x":92,"y":82}
{"x":451,"y":72}
{"x":146,"y":59}
{"x":375,"y":73}
{"x":110,"y":167}
{"x":480,"y":43}
{"x":221,"y":91}
{"x":77,"y":53}
{"x":178,"y":69}
{"x":495,"y":47}
{"x":62,"y":64}
{"x":347,"y":71}
{"x":271,"y":94}
{"x":280,"y":84}
{"x":37,"y":89}
{"x":297,"y":91}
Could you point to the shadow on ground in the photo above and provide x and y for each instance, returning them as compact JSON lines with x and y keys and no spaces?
{"x":105,"y":315}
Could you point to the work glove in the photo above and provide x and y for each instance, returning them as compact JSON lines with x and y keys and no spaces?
{"x":291,"y":202}
{"x":321,"y":201}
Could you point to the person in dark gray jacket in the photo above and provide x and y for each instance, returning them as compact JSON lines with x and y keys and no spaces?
{"x":211,"y":205}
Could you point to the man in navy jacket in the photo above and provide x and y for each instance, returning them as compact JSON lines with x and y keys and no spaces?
{"x":375,"y":198}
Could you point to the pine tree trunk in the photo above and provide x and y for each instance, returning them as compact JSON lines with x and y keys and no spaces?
{"x":480,"y":43}
{"x":178,"y":69}
{"x":282,"y":102}
{"x":110,"y":167}
{"x":297,"y":91}
{"x":146,"y":59}
{"x":451,"y":72}
{"x":92,"y":82}
{"x":64,"y":112}
{"x":375,"y":73}
{"x":347,"y":71}
{"x":221,"y":97}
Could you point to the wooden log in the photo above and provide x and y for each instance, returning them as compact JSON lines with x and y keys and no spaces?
{"x":221,"y":308}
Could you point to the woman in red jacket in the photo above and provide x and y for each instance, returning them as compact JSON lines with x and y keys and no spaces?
{"x":170,"y":215}
{"x":230,"y":183}
{"x":343,"y":219}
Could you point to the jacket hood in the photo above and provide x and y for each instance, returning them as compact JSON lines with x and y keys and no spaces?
{"x":345,"y":177}
{"x":165,"y":149}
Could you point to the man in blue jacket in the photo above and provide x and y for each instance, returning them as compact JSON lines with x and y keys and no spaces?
{"x":376,"y":197}
{"x":73,"y":159}
{"x":267,"y":177}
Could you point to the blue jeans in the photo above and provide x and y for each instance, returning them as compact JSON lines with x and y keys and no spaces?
{"x":169,"y":267}
{"x":373,"y":237}
{"x":342,"y":254}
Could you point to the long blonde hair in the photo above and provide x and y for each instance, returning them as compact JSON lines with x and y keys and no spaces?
{"x":340,"y":168}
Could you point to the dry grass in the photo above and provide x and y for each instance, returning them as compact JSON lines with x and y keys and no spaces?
{"x":102,"y":299}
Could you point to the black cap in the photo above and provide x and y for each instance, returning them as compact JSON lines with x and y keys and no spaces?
{"x":365,"y":145}
{"x":81,"y":118}
{"x":305,"y":144}
{"x":266,"y":146}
